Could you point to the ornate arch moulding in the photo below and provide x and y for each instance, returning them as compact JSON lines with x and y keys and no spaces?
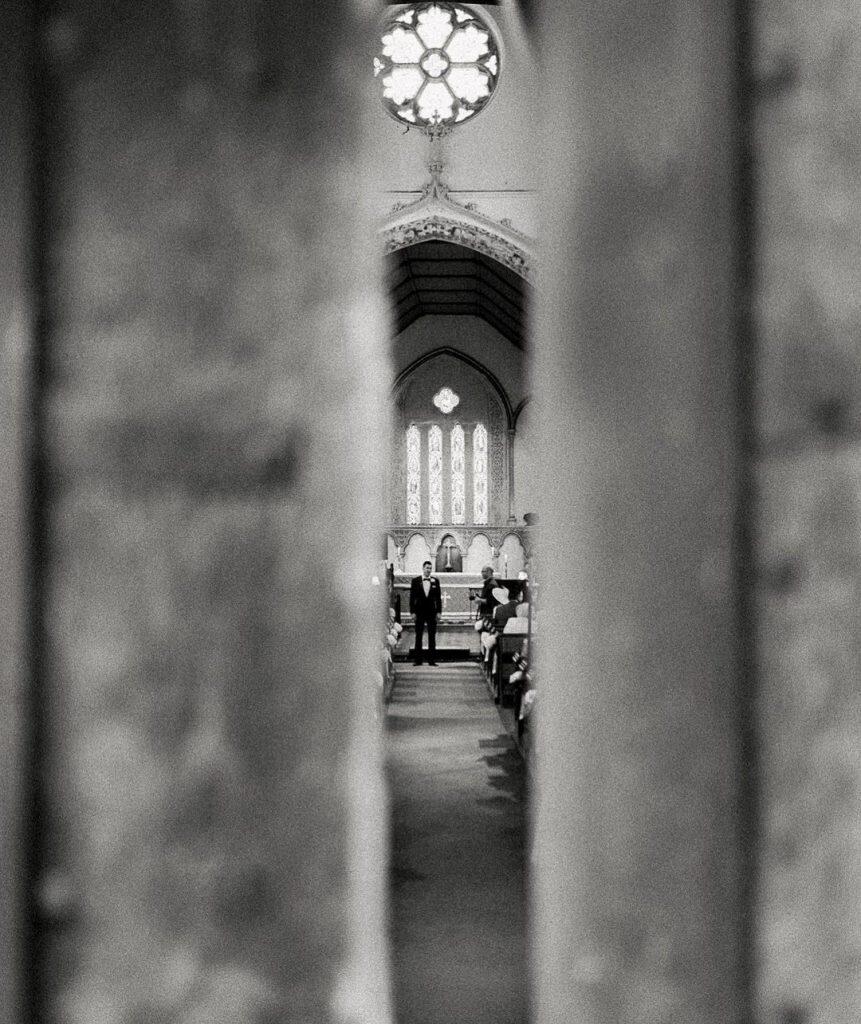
{"x":446,"y":350}
{"x":463,"y":535}
{"x":436,"y":218}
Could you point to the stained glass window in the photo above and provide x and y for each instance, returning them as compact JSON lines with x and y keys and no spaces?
{"x":435,"y":475}
{"x":439,"y":64}
{"x":458,"y":488}
{"x":445,"y":400}
{"x":414,"y":476}
{"x":479,"y":474}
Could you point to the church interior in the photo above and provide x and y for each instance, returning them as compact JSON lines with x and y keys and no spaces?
{"x":458,"y":226}
{"x":458,"y":222}
{"x":430,"y":512}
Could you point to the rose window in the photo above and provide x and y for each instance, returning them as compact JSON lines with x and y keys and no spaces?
{"x":438,"y":65}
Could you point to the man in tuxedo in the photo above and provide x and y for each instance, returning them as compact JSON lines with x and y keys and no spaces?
{"x":425,"y":604}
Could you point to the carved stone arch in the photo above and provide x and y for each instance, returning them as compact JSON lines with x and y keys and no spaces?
{"x":513,"y":554}
{"x":444,"y":221}
{"x":518,"y":409}
{"x":446,"y":350}
{"x":441,"y":532}
{"x":439,"y":538}
{"x":402,"y":535}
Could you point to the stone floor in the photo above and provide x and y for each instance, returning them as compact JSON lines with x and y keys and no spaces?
{"x":458,"y":791}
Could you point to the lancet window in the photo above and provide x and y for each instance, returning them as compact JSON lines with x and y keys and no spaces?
{"x":458,"y":483}
{"x":479,"y":474}
{"x":437,"y":477}
{"x":414,"y":475}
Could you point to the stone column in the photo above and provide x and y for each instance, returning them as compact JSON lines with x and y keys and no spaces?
{"x":511,"y":516}
{"x":808,"y":107}
{"x":638,"y":904}
{"x":16,"y":432}
{"x":215,"y":840}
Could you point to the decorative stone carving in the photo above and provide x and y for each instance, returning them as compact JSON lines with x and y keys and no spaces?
{"x":463,"y":536}
{"x":444,"y":229}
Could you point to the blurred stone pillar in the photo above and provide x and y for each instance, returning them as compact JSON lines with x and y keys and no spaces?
{"x":214,"y":849}
{"x":16,"y":334}
{"x":808,"y":112}
{"x":638,"y":910}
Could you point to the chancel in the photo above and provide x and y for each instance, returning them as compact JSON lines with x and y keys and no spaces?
{"x":201,"y":678}
{"x":457,"y":223}
{"x":450,"y":557}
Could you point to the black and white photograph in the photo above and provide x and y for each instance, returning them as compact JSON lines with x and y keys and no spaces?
{"x":430,"y":512}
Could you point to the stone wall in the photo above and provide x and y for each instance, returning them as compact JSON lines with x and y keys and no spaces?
{"x":808,"y":454}
{"x":470,"y":335}
{"x":16,"y":336}
{"x":479,"y":403}
{"x":639,"y":910}
{"x":214,"y":841}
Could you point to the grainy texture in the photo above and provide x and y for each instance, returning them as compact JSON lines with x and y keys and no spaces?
{"x":638,"y":898}
{"x":810,"y":917}
{"x":15,"y":350}
{"x":215,"y":370}
{"x":809,"y":383}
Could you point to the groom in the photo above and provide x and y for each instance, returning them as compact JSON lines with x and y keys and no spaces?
{"x":425,"y":604}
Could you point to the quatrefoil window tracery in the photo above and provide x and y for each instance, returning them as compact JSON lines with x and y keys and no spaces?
{"x":445,"y":400}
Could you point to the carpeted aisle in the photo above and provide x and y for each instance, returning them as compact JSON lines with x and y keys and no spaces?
{"x":458,"y":873}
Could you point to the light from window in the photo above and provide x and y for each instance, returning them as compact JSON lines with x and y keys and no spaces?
{"x":439,"y":64}
{"x":479,"y":474}
{"x":458,"y":487}
{"x":414,"y":476}
{"x":445,"y":400}
{"x":435,"y":475}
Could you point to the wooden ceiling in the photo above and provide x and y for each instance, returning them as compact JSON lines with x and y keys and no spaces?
{"x":444,"y":279}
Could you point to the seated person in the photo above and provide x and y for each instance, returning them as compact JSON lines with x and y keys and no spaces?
{"x":486,"y":601}
{"x":506,"y":608}
{"x":488,"y":640}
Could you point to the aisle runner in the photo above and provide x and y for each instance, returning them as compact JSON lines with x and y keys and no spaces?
{"x":458,"y":858}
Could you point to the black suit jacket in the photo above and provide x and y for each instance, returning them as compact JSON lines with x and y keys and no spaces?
{"x":486,"y":601}
{"x":426,"y":607}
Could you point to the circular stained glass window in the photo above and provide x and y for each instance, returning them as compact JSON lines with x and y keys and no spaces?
{"x":438,"y":64}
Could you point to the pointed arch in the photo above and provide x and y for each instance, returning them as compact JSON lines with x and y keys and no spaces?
{"x":446,"y":350}
{"x":441,"y":220}
{"x":521,"y":405}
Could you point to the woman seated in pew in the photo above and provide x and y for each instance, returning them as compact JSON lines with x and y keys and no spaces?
{"x":505,"y":609}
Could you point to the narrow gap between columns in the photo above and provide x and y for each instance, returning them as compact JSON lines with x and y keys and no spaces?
{"x":745,"y":521}
{"x":42,"y":113}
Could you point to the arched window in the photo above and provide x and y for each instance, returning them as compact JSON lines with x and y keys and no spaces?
{"x":435,"y":475}
{"x":414,"y":476}
{"x":447,"y":477}
{"x":479,"y":474}
{"x":458,"y":486}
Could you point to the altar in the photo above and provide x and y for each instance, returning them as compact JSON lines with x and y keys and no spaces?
{"x":456,"y":636}
{"x":455,"y":587}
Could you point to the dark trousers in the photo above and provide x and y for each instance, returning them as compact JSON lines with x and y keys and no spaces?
{"x":421,"y":622}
